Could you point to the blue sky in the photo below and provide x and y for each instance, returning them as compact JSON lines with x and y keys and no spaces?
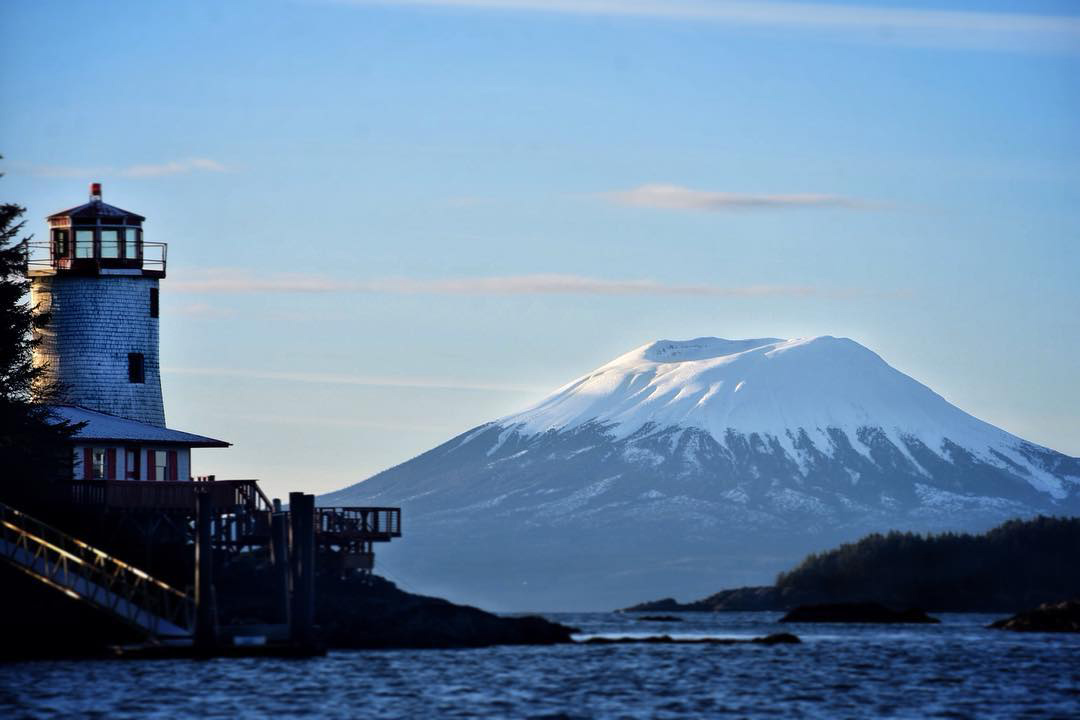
{"x":391,"y":221}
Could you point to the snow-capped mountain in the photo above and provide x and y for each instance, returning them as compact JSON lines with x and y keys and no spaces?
{"x":684,"y":467}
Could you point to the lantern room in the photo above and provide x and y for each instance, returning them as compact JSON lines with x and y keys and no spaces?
{"x":98,"y":238}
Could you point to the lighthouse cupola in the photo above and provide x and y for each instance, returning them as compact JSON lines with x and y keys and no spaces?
{"x":99,"y":280}
{"x":96,"y":237}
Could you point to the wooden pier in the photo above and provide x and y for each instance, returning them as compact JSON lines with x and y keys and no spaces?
{"x":213,"y":518}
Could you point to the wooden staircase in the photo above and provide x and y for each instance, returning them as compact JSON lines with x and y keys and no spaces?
{"x":163,"y":613}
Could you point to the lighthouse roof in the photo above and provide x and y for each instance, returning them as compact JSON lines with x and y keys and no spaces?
{"x":97,"y":209}
{"x":102,"y":427}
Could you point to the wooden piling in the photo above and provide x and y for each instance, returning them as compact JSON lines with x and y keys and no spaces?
{"x":302,"y":514}
{"x":205,"y":607}
{"x":279,"y":541}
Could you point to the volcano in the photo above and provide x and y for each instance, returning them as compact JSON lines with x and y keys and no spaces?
{"x":683,"y":467}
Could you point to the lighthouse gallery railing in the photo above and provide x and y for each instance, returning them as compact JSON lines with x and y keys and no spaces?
{"x":39,"y":258}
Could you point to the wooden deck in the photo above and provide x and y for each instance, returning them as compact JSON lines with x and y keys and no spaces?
{"x":243,"y":511}
{"x":167,"y":496}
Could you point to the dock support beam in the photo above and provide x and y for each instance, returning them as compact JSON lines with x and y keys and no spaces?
{"x":279,"y":541}
{"x":302,"y":514}
{"x":205,"y":608}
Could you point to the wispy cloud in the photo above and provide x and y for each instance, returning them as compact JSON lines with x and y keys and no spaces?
{"x":150,"y":170}
{"x":362,"y":380}
{"x":199,"y":309}
{"x":334,"y":422}
{"x":239,"y":281}
{"x":675,"y":197}
{"x":176,"y":167}
{"x":956,"y":28}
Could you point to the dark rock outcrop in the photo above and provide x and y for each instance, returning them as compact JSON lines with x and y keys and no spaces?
{"x":663,"y":605}
{"x":367,"y":611}
{"x":1049,"y":617}
{"x":373,"y":613}
{"x":867,"y":612}
{"x":660,"y":618}
{"x":742,"y":599}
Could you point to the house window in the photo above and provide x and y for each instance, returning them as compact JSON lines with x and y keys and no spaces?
{"x":131,"y":244}
{"x":110,"y":244}
{"x":136,"y":368}
{"x":60,"y":243}
{"x":160,"y":470}
{"x":84,"y":243}
{"x":153,"y":302}
{"x":98,"y":464}
{"x":131,"y":464}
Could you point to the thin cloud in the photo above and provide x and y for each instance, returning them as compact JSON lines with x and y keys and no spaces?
{"x":241,"y":282}
{"x":152,"y":170}
{"x":177,"y":167}
{"x":675,"y":197}
{"x":204,"y":310}
{"x":953,"y":28}
{"x":321,"y":421}
{"x":361,"y":380}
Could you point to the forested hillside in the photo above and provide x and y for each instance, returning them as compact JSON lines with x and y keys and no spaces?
{"x":1017,"y":565}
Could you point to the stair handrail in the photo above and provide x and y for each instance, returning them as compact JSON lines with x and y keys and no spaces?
{"x":62,"y":555}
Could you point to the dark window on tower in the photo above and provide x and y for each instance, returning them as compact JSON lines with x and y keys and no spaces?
{"x":136,"y":370}
{"x":60,"y":243}
{"x":153,"y":302}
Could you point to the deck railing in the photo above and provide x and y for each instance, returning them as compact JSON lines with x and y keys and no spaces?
{"x":367,"y":523}
{"x":139,"y":494}
{"x":242,"y":510}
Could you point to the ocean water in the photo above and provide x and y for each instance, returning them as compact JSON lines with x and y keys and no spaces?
{"x":957,"y":669}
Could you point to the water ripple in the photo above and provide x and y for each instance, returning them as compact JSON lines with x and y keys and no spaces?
{"x":954,"y":670}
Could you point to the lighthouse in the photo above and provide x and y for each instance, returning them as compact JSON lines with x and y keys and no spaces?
{"x":100,"y":282}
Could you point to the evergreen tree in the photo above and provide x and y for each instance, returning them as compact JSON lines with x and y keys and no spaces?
{"x":32,"y":441}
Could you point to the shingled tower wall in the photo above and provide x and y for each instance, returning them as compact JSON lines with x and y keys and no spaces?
{"x":100,"y":283}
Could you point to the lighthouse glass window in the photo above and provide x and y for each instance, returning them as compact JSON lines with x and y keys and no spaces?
{"x":131,"y":244}
{"x":110,"y":243}
{"x":84,"y":243}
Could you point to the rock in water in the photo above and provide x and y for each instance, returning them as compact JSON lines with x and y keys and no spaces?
{"x":1049,"y":617}
{"x":681,"y":467}
{"x":774,"y":639}
{"x":855,"y":613}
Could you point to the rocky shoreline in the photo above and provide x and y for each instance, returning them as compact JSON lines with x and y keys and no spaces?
{"x":1048,"y":617}
{"x":371,"y":612}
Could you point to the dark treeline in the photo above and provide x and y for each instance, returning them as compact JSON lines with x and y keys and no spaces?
{"x":32,"y":441}
{"x":1015,"y":566}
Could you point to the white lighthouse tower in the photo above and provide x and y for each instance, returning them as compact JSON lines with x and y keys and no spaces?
{"x":100,"y":284}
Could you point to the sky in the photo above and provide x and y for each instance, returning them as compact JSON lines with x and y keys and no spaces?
{"x":389,"y":222}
